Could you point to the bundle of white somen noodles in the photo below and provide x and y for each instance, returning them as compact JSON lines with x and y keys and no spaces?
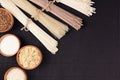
{"x":57,"y":28}
{"x":83,"y":6}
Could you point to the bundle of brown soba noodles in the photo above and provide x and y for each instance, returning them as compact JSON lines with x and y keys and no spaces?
{"x":69,"y":18}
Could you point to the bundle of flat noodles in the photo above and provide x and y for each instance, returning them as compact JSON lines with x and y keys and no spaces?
{"x":69,"y":18}
{"x":83,"y":6}
{"x":55,"y":27}
{"x":46,"y":40}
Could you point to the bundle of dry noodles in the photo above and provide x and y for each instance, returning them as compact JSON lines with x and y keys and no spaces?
{"x":55,"y":27}
{"x":69,"y":18}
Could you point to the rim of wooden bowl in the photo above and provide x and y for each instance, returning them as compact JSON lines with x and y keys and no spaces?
{"x":4,"y":36}
{"x":6,"y":73}
{"x":40,"y":55}
{"x":12,"y":21}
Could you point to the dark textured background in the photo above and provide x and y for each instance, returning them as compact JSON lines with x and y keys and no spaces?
{"x":92,"y":53}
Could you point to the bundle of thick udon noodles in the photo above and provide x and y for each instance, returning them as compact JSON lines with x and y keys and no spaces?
{"x":46,"y":40}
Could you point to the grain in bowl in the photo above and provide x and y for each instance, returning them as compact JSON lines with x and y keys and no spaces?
{"x":29,"y":57}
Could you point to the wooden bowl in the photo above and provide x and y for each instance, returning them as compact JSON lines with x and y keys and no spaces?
{"x":6,"y":20}
{"x":29,"y":57}
{"x":15,"y":68}
{"x":2,"y":41}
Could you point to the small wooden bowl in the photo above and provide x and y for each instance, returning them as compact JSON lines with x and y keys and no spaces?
{"x":5,"y":36}
{"x":6,"y":20}
{"x":32,"y":57}
{"x":12,"y":68}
